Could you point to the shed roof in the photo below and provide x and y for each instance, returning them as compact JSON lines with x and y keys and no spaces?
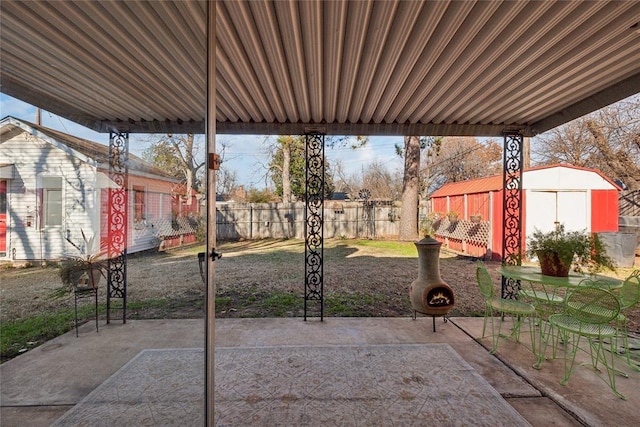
{"x":495,"y":182}
{"x":341,"y":67}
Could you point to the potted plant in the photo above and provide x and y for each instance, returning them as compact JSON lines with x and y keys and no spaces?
{"x":85,"y":269}
{"x":427,"y":225}
{"x":558,"y":250}
{"x":453,"y":216}
{"x":475,"y":218}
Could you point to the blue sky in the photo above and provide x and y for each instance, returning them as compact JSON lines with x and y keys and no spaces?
{"x":245,"y":154}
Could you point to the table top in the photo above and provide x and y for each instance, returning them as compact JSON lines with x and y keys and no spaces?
{"x":533,"y":275}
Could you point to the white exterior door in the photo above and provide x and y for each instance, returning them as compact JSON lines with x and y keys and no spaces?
{"x":572,"y":210}
{"x":541,"y":211}
{"x":546,"y":208}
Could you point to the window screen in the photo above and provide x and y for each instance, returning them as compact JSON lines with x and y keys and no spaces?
{"x":52,"y":201}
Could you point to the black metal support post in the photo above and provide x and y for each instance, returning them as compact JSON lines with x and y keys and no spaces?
{"x":117,"y":218}
{"x":314,"y":219}
{"x":512,"y":209}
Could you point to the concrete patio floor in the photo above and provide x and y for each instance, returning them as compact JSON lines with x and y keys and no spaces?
{"x":40,"y":386}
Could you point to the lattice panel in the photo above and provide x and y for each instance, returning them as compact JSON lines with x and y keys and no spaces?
{"x":473,"y":232}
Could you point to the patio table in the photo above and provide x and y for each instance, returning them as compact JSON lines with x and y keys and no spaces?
{"x":533,"y":274}
{"x":547,"y":294}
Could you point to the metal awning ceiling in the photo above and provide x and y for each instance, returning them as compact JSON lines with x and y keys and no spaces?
{"x":342,"y":67}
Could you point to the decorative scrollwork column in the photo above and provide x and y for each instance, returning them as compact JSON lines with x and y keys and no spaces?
{"x":314,"y":219}
{"x":117,"y":218}
{"x":512,"y":209}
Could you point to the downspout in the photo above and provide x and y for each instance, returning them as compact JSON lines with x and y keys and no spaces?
{"x":210,"y":310}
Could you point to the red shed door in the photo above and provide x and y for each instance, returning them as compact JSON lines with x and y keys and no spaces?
{"x":3,"y":218}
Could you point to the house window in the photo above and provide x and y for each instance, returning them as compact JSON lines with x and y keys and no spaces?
{"x":139,"y":204}
{"x":51,"y":201}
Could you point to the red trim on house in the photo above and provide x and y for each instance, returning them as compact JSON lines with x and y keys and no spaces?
{"x":172,"y":242}
{"x":496,"y":231}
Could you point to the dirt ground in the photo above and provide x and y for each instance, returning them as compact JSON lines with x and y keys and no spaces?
{"x":253,"y":270}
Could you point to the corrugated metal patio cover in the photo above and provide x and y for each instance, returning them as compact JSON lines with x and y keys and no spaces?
{"x":343,"y":67}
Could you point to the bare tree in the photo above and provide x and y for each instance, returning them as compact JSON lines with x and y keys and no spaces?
{"x":179,"y":155}
{"x":410,"y":189}
{"x":342,"y":182}
{"x":462,"y":158}
{"x":619,"y":161}
{"x":382,"y":184}
{"x":607,"y":139}
{"x":287,"y":168}
{"x":226,"y":181}
{"x":429,"y":156}
{"x":565,"y":144}
{"x":286,"y":142}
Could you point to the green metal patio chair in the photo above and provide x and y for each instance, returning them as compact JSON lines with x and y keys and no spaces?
{"x":493,"y":304}
{"x":629,"y":296}
{"x":561,"y":336}
{"x":589,"y":313}
{"x":547,"y":300}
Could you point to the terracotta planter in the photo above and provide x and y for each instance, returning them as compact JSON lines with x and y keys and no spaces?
{"x":551,"y":265}
{"x":85,"y":281}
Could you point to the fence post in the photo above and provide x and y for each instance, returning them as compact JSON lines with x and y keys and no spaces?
{"x":357,"y":213}
{"x":373,"y":222}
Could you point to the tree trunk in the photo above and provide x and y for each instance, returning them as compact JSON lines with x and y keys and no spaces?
{"x":188,"y":186}
{"x":286,"y":171}
{"x":410,"y":189}
{"x":187,"y":163}
{"x":619,"y":162}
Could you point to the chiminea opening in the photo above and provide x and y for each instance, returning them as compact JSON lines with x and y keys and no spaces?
{"x":439,"y":297}
{"x":436,"y":301}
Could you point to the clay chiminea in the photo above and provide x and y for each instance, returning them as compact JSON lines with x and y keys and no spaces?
{"x":429,"y":293}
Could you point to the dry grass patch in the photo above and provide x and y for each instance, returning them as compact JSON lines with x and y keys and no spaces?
{"x":263,"y":278}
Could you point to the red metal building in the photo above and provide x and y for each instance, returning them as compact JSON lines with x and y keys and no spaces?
{"x":579,"y":198}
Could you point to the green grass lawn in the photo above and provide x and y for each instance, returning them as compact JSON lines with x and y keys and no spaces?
{"x":23,"y":334}
{"x":249,"y":265}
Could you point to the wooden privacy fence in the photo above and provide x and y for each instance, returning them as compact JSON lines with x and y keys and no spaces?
{"x":373,"y":220}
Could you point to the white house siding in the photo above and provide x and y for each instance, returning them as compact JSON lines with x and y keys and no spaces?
{"x":34,"y":158}
{"x":143,"y":235}
{"x":563,"y":178}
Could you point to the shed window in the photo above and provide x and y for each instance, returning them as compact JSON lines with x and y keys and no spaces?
{"x":51,"y":201}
